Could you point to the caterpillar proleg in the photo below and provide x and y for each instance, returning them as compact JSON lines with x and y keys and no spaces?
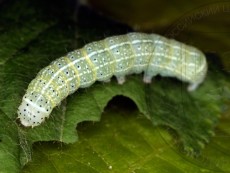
{"x":100,"y":60}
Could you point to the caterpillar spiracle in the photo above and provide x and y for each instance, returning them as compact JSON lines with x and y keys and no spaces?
{"x":100,"y":60}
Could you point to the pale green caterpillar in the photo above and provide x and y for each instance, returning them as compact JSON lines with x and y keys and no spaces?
{"x":114,"y":56}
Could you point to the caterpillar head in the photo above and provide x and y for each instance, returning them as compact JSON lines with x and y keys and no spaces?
{"x":33,"y":109}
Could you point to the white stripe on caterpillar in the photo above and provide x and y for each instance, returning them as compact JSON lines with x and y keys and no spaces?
{"x":114,"y":56}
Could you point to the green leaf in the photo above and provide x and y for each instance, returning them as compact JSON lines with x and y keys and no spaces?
{"x":188,"y":118}
{"x":9,"y":148}
{"x":124,"y":141}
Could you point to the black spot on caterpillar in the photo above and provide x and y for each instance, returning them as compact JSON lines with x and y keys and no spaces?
{"x":114,"y":56}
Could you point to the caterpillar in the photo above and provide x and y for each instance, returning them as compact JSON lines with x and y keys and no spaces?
{"x":100,"y":60}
